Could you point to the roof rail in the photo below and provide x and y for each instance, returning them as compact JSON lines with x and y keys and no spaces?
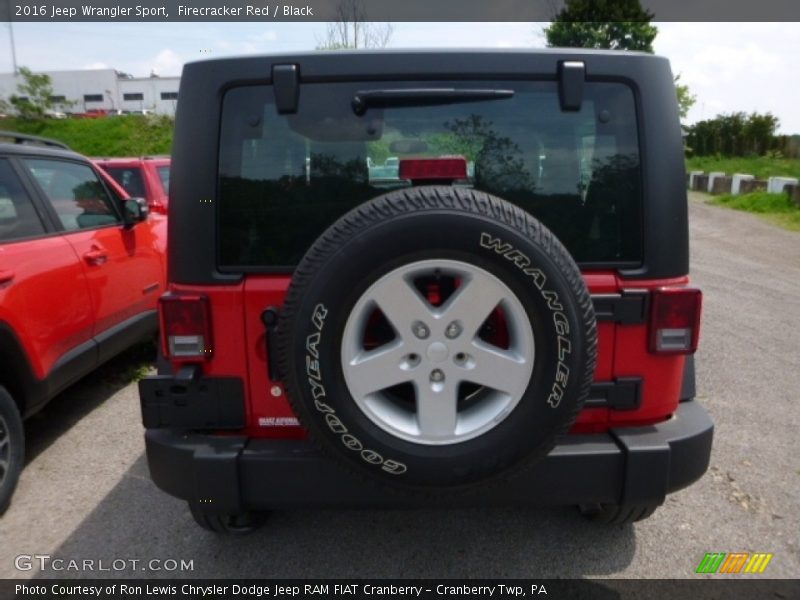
{"x":24,"y":138}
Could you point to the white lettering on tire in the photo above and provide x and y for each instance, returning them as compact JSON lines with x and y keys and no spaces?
{"x":314,"y":376}
{"x":553,"y":301}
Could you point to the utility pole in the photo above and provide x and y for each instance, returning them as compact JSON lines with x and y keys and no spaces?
{"x":13,"y":49}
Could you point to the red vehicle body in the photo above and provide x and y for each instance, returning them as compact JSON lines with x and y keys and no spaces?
{"x":145,"y":177}
{"x":622,"y":353}
{"x":81,"y":270}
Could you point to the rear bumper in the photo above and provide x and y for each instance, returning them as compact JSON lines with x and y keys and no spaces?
{"x":637,"y":465}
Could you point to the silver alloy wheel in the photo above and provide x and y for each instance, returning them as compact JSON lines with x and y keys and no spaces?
{"x":5,"y":449}
{"x":463,"y":384}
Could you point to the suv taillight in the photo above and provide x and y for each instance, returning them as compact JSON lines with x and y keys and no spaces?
{"x":675,"y":320}
{"x":186,"y":326}
{"x":449,"y":168}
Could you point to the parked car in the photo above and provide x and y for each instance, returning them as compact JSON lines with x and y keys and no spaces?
{"x":146,"y":177}
{"x":516,"y":333}
{"x":81,"y":267}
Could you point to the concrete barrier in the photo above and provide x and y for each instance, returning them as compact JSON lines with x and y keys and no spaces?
{"x":711,"y":177}
{"x":692,"y":175}
{"x":721,"y":185}
{"x":700,"y":183}
{"x":752,"y":185}
{"x":775,"y":185}
{"x":737,"y":180}
{"x":794,"y":193}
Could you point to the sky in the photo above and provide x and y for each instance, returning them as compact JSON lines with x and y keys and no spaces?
{"x":730,"y":67}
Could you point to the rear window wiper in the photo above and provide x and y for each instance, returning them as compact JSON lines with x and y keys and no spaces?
{"x":422,"y":97}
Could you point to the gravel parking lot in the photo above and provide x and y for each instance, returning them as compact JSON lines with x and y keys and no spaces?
{"x":86,"y":494}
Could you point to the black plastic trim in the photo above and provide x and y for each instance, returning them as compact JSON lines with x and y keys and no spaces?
{"x":628,"y":308}
{"x":192,"y":401}
{"x":624,"y":393}
{"x":689,"y":384}
{"x":32,"y":393}
{"x":571,"y":77}
{"x":229,"y":474}
{"x":286,"y":81}
{"x":270,"y":318}
{"x":123,"y":335}
{"x":17,"y":375}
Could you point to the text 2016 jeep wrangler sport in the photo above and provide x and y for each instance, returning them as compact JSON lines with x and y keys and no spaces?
{"x":415,"y":278}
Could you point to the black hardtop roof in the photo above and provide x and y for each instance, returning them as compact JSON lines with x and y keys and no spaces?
{"x":204,"y":85}
{"x":408,"y":62}
{"x":343,"y":54}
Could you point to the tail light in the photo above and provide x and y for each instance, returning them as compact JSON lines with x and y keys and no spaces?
{"x":675,"y":320}
{"x":186,"y":326}
{"x":433,"y":169}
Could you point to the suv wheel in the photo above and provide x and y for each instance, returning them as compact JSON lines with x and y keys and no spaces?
{"x":437,"y":337}
{"x":12,"y":448}
{"x":229,"y":524}
{"x":616,"y":514}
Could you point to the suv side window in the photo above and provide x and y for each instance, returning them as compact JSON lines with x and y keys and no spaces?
{"x":163,"y":174}
{"x":79,"y":198}
{"x":18,"y":217}
{"x":129,"y":178}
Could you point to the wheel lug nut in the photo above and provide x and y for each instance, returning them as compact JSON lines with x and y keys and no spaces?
{"x":453,"y":330}
{"x":420,"y":330}
{"x":437,"y":375}
{"x":412,"y":360}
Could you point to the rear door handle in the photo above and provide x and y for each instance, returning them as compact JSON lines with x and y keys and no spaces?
{"x":6,"y":276}
{"x":96,"y":256}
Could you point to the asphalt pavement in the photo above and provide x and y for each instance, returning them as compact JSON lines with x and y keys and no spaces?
{"x":86,"y":495}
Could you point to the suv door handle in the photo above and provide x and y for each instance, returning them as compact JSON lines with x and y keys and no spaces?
{"x":96,"y":256}
{"x":6,"y":276}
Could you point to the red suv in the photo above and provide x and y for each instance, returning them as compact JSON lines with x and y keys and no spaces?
{"x":145,"y":177}
{"x":81,"y":269}
{"x":413,"y":278}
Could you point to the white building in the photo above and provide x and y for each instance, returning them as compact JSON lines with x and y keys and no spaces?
{"x":104,"y":89}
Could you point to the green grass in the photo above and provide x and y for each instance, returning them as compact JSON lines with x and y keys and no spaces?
{"x":134,"y":364}
{"x":131,"y":135}
{"x":776,"y":208}
{"x":762,"y":167}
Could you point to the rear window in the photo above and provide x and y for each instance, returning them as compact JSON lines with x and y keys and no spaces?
{"x":130,"y":178}
{"x":284,"y":178}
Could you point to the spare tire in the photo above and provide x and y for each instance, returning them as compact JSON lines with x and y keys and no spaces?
{"x":437,"y":337}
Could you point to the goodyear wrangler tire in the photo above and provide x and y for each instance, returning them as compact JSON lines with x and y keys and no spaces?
{"x":437,"y":337}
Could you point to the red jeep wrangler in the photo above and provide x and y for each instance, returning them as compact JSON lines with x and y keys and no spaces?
{"x":501,"y":315}
{"x":81,"y":268}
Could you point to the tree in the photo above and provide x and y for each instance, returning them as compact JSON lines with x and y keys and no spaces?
{"x":736,"y":134}
{"x":686,"y":99}
{"x":350,"y":30}
{"x":613,"y":25}
{"x":610,"y":24}
{"x":35,"y":95}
